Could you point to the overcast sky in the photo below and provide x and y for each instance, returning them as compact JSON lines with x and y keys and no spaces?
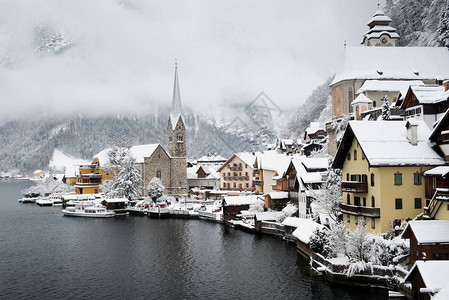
{"x":122,"y":53}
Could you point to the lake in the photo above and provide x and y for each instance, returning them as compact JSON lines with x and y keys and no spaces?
{"x":46,"y":255}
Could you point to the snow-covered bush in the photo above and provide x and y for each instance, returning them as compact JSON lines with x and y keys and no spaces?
{"x":319,"y":242}
{"x":49,"y":186}
{"x":155,"y":188}
{"x":383,"y":251}
{"x":385,"y":109}
{"x":289,"y":210}
{"x":358,"y":244}
{"x":256,"y":207}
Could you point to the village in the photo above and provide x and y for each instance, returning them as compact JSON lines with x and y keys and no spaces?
{"x":365,"y":196}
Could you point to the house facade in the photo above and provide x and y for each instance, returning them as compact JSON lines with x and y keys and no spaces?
{"x":382,"y":166}
{"x":237,"y":173}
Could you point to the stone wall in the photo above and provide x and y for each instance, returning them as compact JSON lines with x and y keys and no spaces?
{"x":159,"y":161}
{"x":178,"y":176}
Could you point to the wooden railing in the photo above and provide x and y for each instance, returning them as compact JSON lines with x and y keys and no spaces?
{"x":354,"y":187}
{"x":439,"y":196}
{"x":236,"y":178}
{"x":258,"y":182}
{"x":365,"y":211}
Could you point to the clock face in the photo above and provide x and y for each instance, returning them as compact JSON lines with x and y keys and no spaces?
{"x":384,"y":40}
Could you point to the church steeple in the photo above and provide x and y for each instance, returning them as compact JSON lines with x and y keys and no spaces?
{"x":380,"y":32}
{"x":176,"y":130}
{"x":176,"y":110}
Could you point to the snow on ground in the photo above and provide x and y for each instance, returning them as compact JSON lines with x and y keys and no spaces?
{"x":60,"y":161}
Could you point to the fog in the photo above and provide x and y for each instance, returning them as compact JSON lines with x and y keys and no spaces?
{"x":116,"y":57}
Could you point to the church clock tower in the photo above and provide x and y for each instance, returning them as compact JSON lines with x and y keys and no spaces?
{"x":176,"y":133}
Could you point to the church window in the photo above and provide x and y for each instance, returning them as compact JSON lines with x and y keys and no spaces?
{"x":180,"y":139}
{"x":355,"y":154}
{"x":350,"y":95}
{"x":374,"y":103}
{"x":159,"y":174}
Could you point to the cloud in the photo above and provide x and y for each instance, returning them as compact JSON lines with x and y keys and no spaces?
{"x":121,"y":53}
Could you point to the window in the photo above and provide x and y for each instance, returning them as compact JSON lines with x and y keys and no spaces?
{"x":434,"y":183}
{"x":444,"y":136}
{"x":229,"y":173}
{"x":364,"y":178}
{"x":247,"y":185}
{"x":348,"y":219}
{"x":372,"y":179}
{"x":357,"y":201}
{"x":348,"y":198}
{"x":159,"y":174}
{"x":355,"y":154}
{"x":364,"y":201}
{"x":349,"y":156}
{"x":373,"y":223}
{"x":240,"y":186}
{"x":416,"y":179}
{"x":356,"y":220}
{"x":398,"y":203}
{"x":448,"y":207}
{"x":398,"y":179}
{"x":246,"y":174}
{"x":347,"y":177}
{"x":180,"y":139}
{"x":350,"y":95}
{"x":373,"y":201}
{"x":235,"y":184}
{"x":363,"y":156}
{"x":96,"y":191}
{"x":418,"y":203}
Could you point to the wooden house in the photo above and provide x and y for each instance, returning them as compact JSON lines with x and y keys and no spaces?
{"x":429,"y":280}
{"x":233,"y":205}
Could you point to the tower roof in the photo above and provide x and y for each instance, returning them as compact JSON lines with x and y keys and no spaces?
{"x":176,"y":110}
{"x":379,"y":25}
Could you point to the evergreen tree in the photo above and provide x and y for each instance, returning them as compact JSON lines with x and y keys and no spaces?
{"x":443,"y":26}
{"x":155,"y":188}
{"x":385,"y":109}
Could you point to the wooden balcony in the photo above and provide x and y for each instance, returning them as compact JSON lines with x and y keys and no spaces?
{"x":354,"y":187}
{"x":364,"y":211}
{"x":235,"y":168}
{"x":229,"y":178}
{"x":257,"y":182}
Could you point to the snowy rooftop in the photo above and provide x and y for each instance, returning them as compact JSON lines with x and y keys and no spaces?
{"x":402,"y":63}
{"x":305,"y":229}
{"x":304,"y":177}
{"x":379,"y":16}
{"x":387,"y":85}
{"x":247,"y":157}
{"x":292,"y":222}
{"x":269,"y":216}
{"x":430,"y":94}
{"x":192,"y":173}
{"x":71,"y":171}
{"x":273,"y":161}
{"x":386,"y":143}
{"x":211,"y":159}
{"x":242,"y":200}
{"x":361,"y":99}
{"x":278,"y":195}
{"x":440,"y":170}
{"x":431,"y":231}
{"x":320,"y":163}
{"x":314,"y":127}
{"x":141,"y":151}
{"x":433,"y":272}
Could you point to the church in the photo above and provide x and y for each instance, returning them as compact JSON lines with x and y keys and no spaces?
{"x":152,"y":160}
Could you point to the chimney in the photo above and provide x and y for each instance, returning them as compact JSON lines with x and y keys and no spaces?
{"x":412,"y":131}
{"x":446,"y":85}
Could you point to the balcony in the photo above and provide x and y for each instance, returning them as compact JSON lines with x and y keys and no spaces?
{"x":91,"y":176}
{"x":235,"y":168}
{"x":354,"y":187}
{"x":364,"y":211}
{"x":228,"y":178}
{"x":257,"y":182}
{"x":256,"y":172}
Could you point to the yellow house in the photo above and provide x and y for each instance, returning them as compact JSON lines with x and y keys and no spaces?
{"x":382,"y":166}
{"x":267,"y":166}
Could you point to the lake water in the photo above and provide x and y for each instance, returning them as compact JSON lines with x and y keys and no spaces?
{"x":46,"y":255}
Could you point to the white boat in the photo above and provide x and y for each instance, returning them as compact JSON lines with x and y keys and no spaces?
{"x":97,"y":211}
{"x":44,"y":202}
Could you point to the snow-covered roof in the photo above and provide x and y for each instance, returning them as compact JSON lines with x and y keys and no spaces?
{"x":116,"y":200}
{"x":305,"y":229}
{"x":305,"y":178}
{"x":439,"y":171}
{"x":292,"y":222}
{"x":387,"y":63}
{"x":242,"y":200}
{"x":192,"y":173}
{"x":139,"y":152}
{"x":103,"y":157}
{"x":71,"y":171}
{"x":314,"y":127}
{"x":211,"y":159}
{"x":433,"y":273}
{"x":387,"y":85}
{"x":361,"y":99}
{"x":269,"y":216}
{"x":385,"y":143}
{"x":430,"y":231}
{"x":315,"y":163}
{"x":429,"y":94}
{"x":273,"y":161}
{"x":277,"y":195}
{"x":247,"y":157}
{"x":379,"y":16}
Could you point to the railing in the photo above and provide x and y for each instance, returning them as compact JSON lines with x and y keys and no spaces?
{"x":365,"y":211}
{"x":91,"y":176}
{"x":437,"y":199}
{"x":235,"y":168}
{"x":236,"y":178}
{"x":258,"y":182}
{"x":354,"y":187}
{"x":272,"y":225}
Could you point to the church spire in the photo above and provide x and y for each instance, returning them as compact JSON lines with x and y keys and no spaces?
{"x":176,"y":111}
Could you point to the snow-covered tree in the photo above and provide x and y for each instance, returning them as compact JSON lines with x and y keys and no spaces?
{"x":155,"y":188}
{"x":329,"y":198}
{"x":49,"y":186}
{"x":385,"y":109}
{"x":319,"y":242}
{"x":358,"y":244}
{"x":443,"y":26}
{"x":256,"y":207}
{"x":127,"y":181}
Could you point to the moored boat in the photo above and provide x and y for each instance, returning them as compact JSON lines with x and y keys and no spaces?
{"x":44,"y":202}
{"x":97,"y":211}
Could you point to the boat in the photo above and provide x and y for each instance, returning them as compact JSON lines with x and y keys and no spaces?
{"x":97,"y":211}
{"x":44,"y":202}
{"x":28,"y":199}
